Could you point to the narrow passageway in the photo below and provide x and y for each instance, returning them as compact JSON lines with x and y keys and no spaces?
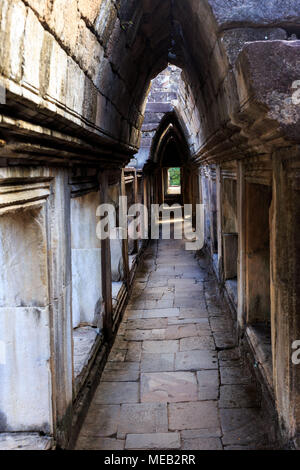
{"x":174,"y":379}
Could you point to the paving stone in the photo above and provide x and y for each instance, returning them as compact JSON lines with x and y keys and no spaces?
{"x":169,"y":387}
{"x":202,"y":433}
{"x":157,"y":347}
{"x":181,"y":331}
{"x":123,"y":366}
{"x":185,"y":321}
{"x":143,"y":418}
{"x":184,"y":283}
{"x":120,"y":343}
{"x":141,"y":335}
{"x":161,"y":313}
{"x":147,"y":324}
{"x":101,"y":421}
{"x":199,"y":312}
{"x":224,"y":341}
{"x":208,"y":381}
{"x":100,"y":443}
{"x":229,"y":355}
{"x":196,"y":360}
{"x":120,"y":375}
{"x":219,"y":325}
{"x":202,"y":444}
{"x":114,"y":392}
{"x":163,"y":282}
{"x":189,"y":302}
{"x":195,"y":415}
{"x":242,"y":426}
{"x":230,"y":358}
{"x":238,"y":396}
{"x":134,"y":352}
{"x":157,"y":362}
{"x":234,"y":375}
{"x":156,"y":441}
{"x":117,"y":356}
{"x":198,"y":342}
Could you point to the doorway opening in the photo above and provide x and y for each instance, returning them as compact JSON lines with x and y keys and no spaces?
{"x":174,"y":181}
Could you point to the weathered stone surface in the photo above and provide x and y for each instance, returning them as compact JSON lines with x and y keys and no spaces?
{"x":182,"y":331}
{"x":195,"y":360}
{"x":24,"y":441}
{"x":134,"y":352}
{"x":193,"y":415}
{"x":143,"y":418}
{"x":142,"y":335}
{"x":187,"y":312}
{"x":202,"y":444}
{"x":169,"y":387}
{"x":116,"y":392}
{"x":208,"y":381}
{"x":147,"y":324}
{"x":161,"y":347}
{"x":153,"y":441}
{"x":101,"y":421}
{"x":157,"y":362}
{"x":120,"y":375}
{"x":234,"y":375}
{"x":238,"y":396}
{"x":201,"y":433}
{"x":117,"y":355}
{"x":197,"y":343}
{"x":100,"y":443}
{"x":243,"y":426}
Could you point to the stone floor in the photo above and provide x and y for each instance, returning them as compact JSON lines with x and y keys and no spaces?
{"x":174,"y":379}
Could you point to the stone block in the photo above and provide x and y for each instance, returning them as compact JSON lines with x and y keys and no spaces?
{"x":143,"y":418}
{"x":101,"y":421}
{"x":158,"y":441}
{"x":238,"y":396}
{"x":157,"y":362}
{"x":195,"y":415}
{"x":196,"y":360}
{"x":160,"y":347}
{"x":197,"y":343}
{"x":110,"y":393}
{"x":168,"y":387}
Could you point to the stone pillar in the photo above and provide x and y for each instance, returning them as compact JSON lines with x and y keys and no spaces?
{"x":219,"y":220}
{"x":213,"y":211}
{"x":61,"y":303}
{"x":125,"y":237}
{"x":285,"y":288}
{"x":241,"y":210}
{"x":106,"y":264}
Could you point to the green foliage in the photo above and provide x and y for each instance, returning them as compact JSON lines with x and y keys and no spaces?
{"x":174,"y":176}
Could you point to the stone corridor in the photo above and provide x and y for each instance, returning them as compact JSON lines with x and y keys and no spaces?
{"x":174,"y":379}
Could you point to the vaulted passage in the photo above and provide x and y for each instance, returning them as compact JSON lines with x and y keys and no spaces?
{"x":174,"y":377}
{"x":115,"y":115}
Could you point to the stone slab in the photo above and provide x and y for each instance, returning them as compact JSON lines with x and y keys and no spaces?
{"x":115,"y":393}
{"x":195,"y":415}
{"x":143,"y":418}
{"x":158,"y":441}
{"x":169,"y":387}
{"x":196,"y":360}
{"x":157,"y":362}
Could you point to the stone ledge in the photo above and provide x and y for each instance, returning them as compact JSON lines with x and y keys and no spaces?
{"x":25,"y":441}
